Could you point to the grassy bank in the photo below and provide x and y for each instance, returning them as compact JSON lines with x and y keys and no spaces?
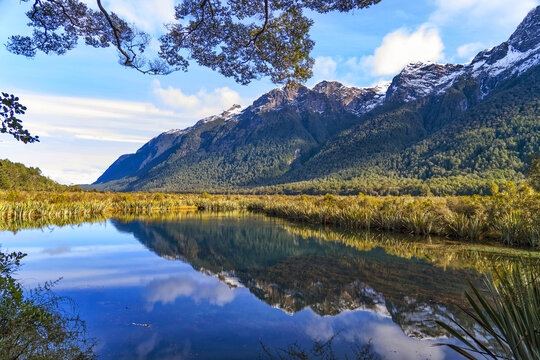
{"x":512,"y":217}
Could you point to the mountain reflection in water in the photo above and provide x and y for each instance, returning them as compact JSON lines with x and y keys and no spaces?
{"x":291,"y":273}
{"x":215,"y":286}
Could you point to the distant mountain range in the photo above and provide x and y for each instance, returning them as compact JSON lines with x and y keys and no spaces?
{"x":448,"y":129}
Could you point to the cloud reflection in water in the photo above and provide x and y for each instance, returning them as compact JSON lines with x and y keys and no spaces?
{"x":58,"y":250}
{"x":166,"y":291}
{"x":387,"y":339}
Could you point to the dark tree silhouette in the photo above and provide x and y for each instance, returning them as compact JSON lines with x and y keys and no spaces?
{"x":244,"y":39}
{"x":9,"y":108}
{"x":240,"y":39}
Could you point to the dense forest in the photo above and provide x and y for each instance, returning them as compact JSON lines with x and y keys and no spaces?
{"x":494,"y":141}
{"x":453,"y":144}
{"x":16,"y":176}
{"x":445,"y":129}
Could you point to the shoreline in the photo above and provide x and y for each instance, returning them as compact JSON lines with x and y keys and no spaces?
{"x":512,"y":220}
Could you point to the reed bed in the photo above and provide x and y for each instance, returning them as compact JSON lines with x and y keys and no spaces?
{"x":513,"y":218}
{"x":33,"y":205}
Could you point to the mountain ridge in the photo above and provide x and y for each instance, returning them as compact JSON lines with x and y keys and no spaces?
{"x":278,"y":139}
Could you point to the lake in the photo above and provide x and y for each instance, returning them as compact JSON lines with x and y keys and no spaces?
{"x":225,"y":286}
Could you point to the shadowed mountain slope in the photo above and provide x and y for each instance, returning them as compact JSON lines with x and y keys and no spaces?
{"x":456,"y":128}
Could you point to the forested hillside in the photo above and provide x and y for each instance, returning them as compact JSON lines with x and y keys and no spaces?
{"x":16,"y":176}
{"x":445,"y":129}
{"x":493,"y":141}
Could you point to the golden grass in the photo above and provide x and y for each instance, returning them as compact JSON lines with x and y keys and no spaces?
{"x":510,"y":218}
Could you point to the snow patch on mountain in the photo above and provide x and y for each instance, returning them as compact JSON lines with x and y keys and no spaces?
{"x":225,"y":115}
{"x":512,"y":57}
{"x":489,"y":67}
{"x":422,"y":79}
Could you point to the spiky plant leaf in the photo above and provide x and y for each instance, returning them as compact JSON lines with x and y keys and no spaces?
{"x":509,"y":312}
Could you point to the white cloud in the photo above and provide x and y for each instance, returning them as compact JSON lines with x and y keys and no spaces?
{"x":468,"y":51}
{"x":389,"y":340}
{"x":81,"y":137}
{"x":496,"y":19}
{"x":57,"y":250}
{"x":402,"y":47}
{"x":324,"y":68}
{"x":480,"y":12}
{"x":148,"y":15}
{"x":175,"y":97}
{"x":198,"y":105}
{"x":348,"y":71}
{"x":320,"y":328}
{"x":363,"y":326}
{"x":97,"y":119}
{"x":355,"y":64}
{"x":91,"y":108}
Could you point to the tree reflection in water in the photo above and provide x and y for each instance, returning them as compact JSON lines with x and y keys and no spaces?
{"x":323,"y":350}
{"x":37,"y":324}
{"x":290,"y":268}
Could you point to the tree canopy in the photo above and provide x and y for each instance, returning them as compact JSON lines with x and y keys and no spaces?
{"x":243,"y":39}
{"x":10,"y":107}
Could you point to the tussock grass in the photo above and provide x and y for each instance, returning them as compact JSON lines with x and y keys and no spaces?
{"x":512,"y":218}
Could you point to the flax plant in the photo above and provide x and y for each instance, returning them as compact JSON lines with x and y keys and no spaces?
{"x":509,"y":312}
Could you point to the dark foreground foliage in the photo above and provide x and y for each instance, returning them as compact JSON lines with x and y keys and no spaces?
{"x":37,"y":324}
{"x":509,"y":312}
{"x":10,"y":108}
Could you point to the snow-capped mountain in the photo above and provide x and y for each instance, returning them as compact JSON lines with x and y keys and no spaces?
{"x":422,"y":79}
{"x":511,"y":58}
{"x":325,"y":96}
{"x":296,"y":134}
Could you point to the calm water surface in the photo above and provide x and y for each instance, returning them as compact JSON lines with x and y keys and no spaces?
{"x":216,"y":287}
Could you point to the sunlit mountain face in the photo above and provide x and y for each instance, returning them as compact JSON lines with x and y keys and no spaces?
{"x":423,"y":125}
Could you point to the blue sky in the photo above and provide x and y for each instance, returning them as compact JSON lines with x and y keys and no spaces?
{"x":88,"y":110}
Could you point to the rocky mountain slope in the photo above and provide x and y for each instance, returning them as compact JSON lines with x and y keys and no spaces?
{"x":445,"y":128}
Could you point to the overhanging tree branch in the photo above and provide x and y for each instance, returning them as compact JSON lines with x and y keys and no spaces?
{"x":218,"y":35}
{"x":10,"y":108}
{"x":116,"y":33}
